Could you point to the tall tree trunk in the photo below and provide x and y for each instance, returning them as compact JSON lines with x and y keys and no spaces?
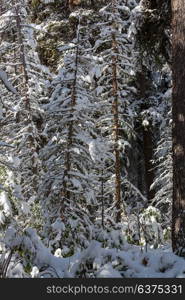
{"x":66,"y":194}
{"x":147,"y":145}
{"x":22,"y":57}
{"x":148,"y":155}
{"x":25,"y":97}
{"x":178,"y":131}
{"x":116,"y":123}
{"x":102,"y":200}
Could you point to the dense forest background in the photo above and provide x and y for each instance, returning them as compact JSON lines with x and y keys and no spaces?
{"x":86,"y":139}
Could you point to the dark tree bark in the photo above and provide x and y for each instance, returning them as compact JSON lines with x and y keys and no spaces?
{"x":178,"y":132}
{"x":115,"y":106}
{"x":116,"y":121}
{"x":144,"y":84}
{"x":22,"y":57}
{"x":66,"y":194}
{"x":102,"y":201}
{"x":148,"y":155}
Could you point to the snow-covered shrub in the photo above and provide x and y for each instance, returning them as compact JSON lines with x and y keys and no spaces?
{"x":150,"y":225}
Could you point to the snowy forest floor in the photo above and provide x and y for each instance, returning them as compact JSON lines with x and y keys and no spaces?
{"x":98,"y":262}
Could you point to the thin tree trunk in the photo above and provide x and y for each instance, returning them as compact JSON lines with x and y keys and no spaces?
{"x":65,"y":192}
{"x":148,"y":155}
{"x":22,"y":57}
{"x":102,"y":200}
{"x":116,"y":124}
{"x":178,"y":131}
{"x":147,"y":146}
{"x":24,"y":92}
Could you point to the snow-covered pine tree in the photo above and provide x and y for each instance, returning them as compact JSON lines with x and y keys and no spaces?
{"x":23,"y":116}
{"x":154,"y":107}
{"x":67,"y":189}
{"x":115,"y":114}
{"x":24,"y":87}
{"x":9,"y":98}
{"x":162,"y":160}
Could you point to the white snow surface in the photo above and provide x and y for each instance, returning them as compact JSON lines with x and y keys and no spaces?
{"x":5,"y":204}
{"x":130,"y":262}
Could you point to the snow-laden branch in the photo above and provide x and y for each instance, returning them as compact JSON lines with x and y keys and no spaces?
{"x":7,"y":83}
